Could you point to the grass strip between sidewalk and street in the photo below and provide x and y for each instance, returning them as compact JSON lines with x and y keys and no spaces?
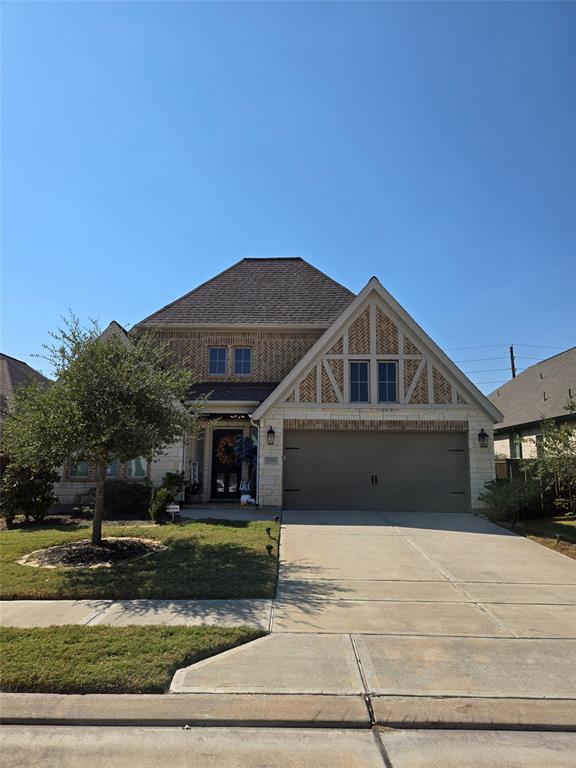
{"x":77,"y":659}
{"x":217,"y":559}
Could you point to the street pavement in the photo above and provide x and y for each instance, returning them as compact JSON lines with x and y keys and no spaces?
{"x":70,"y":747}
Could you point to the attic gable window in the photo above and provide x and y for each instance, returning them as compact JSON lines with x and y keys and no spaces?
{"x":359,"y":382}
{"x":242,"y":361}
{"x":217,"y":361}
{"x":387,"y":382}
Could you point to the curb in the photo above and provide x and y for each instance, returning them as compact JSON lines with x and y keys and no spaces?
{"x":181,"y":710}
{"x":288,"y":711}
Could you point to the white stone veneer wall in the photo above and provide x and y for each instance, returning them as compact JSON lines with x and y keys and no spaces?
{"x":170,"y":460}
{"x":270,"y":459}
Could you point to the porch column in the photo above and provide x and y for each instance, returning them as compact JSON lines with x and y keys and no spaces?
{"x":270,"y":462}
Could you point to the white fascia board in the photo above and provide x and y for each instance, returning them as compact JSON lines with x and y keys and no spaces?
{"x":329,"y":337}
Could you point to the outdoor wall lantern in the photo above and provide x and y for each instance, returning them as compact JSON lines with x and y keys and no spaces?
{"x":270,"y":435}
{"x":483,"y":438}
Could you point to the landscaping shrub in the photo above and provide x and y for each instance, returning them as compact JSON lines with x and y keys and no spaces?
{"x":508,"y":500}
{"x":161,"y":497}
{"x":122,"y":498}
{"x":174,"y":482}
{"x":28,"y":491}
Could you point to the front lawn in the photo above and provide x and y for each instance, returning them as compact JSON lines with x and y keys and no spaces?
{"x":210,"y":559}
{"x":546,"y":530}
{"x":75,"y":659}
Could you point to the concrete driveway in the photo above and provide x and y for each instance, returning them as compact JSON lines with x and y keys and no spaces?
{"x":410,"y":604}
{"x":451,"y":575}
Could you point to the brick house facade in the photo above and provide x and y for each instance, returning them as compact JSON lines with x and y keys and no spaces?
{"x":350,"y":403}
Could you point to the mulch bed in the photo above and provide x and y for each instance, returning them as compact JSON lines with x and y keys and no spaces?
{"x":83,"y":554}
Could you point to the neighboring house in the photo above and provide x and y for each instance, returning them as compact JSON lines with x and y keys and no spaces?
{"x":540,"y":392}
{"x":13,"y":374}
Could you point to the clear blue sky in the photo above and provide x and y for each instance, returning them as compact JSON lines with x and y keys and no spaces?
{"x":147,"y":146}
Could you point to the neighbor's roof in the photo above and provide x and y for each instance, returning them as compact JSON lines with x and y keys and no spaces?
{"x":260,"y":291}
{"x":14,"y":373}
{"x":539,"y":392}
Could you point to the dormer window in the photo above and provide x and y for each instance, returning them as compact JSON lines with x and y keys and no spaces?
{"x":242,"y":361}
{"x":217,"y":361}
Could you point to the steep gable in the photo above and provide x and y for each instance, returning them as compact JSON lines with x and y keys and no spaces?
{"x":376,"y":328}
{"x":273,"y":292}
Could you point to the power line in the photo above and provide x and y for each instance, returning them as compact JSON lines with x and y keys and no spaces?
{"x":493,"y":346}
{"x":488,"y":370}
{"x":537,"y":346}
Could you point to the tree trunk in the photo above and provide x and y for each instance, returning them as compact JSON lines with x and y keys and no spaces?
{"x":99,"y":502}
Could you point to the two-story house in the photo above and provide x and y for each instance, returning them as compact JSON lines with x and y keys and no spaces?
{"x":351,"y":404}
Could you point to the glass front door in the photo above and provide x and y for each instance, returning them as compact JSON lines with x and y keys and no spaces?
{"x":226,"y":469}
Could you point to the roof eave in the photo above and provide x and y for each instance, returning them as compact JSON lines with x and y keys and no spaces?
{"x":329,"y":335}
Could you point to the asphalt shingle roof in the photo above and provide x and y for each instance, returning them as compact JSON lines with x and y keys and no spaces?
{"x":260,"y":291}
{"x":13,"y":374}
{"x":254,"y":392}
{"x":539,"y":392}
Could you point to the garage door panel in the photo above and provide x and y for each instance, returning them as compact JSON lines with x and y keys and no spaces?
{"x":406,"y":471}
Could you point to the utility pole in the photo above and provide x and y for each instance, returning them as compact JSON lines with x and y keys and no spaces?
{"x":512,"y":361}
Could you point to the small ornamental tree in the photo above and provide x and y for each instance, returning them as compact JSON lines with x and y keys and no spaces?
{"x":555,"y":465}
{"x":113,"y":398}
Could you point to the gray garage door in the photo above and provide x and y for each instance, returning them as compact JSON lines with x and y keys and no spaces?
{"x":395,"y":471}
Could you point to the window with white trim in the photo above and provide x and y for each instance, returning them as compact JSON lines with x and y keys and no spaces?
{"x":79,"y":468}
{"x":387,"y":382}
{"x":359,"y":377}
{"x":217,"y":361}
{"x":136,"y":468}
{"x":242,"y":361}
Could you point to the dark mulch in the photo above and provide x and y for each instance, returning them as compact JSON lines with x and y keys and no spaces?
{"x":84,"y":554}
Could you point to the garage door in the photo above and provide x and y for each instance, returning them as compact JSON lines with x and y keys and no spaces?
{"x":394,"y":471}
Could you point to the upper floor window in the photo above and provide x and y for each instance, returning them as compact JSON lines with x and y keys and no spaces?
{"x":387,"y":386}
{"x":217,"y":360}
{"x":137,"y":467}
{"x":242,"y":360}
{"x":359,"y":382}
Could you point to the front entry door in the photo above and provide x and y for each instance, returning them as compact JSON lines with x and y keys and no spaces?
{"x":226,"y":470}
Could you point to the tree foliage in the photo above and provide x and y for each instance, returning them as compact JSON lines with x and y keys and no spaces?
{"x":555,"y":465}
{"x":112,"y":399}
{"x":28,"y":491}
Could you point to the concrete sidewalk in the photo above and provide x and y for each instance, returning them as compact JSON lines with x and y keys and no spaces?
{"x":122,"y":613}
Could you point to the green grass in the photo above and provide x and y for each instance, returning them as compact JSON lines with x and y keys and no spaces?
{"x":544,"y":531}
{"x":218,"y":559}
{"x":75,"y":659}
{"x":552,"y":526}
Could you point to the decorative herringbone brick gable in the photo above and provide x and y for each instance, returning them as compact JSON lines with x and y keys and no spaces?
{"x":359,"y":335}
{"x":421,"y":382}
